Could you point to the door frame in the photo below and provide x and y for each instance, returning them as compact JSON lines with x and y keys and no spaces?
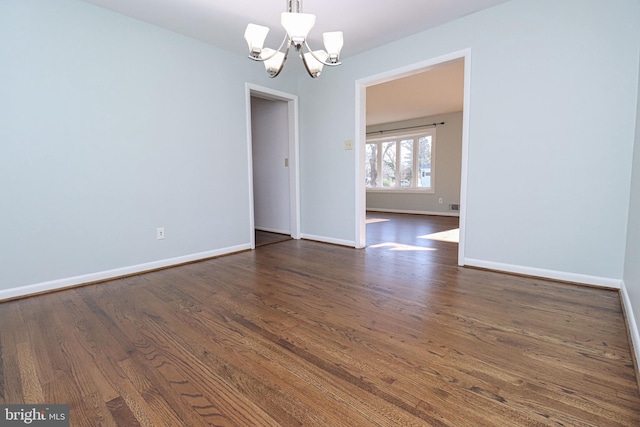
{"x":294,"y":170}
{"x":361,"y":138}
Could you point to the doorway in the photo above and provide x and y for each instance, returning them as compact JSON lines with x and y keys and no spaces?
{"x":361,"y":140}
{"x":272,"y":148}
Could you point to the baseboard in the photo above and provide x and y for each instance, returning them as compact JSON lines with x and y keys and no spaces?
{"x":603,"y":282}
{"x":632,"y":327}
{"x":403,"y":211}
{"x":273,"y":230}
{"x":323,"y":239}
{"x":68,"y":282}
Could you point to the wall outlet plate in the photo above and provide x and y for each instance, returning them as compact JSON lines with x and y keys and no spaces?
{"x":348,"y":144}
{"x":160,"y":233}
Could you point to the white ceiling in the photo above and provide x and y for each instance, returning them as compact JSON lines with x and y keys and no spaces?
{"x":366,"y":23}
{"x":439,"y":90}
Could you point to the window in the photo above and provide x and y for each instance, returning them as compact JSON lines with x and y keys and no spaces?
{"x":401,"y":162}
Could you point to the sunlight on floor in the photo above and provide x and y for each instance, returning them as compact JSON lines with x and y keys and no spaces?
{"x":452,"y":236}
{"x":401,"y":247}
{"x":374,"y":220}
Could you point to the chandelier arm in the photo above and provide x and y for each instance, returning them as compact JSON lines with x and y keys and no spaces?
{"x":318,"y":59}
{"x":286,"y":54}
{"x":284,"y":40}
{"x":306,"y":66}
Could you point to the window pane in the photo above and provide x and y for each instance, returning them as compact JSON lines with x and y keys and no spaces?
{"x":406,"y":162}
{"x":424,"y":162}
{"x":371,"y":165}
{"x":389,"y":164}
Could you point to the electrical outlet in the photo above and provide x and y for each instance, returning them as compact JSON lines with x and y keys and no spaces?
{"x":348,"y":144}
{"x":160,"y":233}
{"x":440,"y":200}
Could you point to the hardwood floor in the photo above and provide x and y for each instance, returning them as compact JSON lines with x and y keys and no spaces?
{"x":305,"y":333}
{"x":266,"y":238}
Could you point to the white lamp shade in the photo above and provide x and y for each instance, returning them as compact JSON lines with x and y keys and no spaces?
{"x":297,"y":25}
{"x":274,"y":63}
{"x":314,"y":67}
{"x":333,"y":42}
{"x":255,"y":36}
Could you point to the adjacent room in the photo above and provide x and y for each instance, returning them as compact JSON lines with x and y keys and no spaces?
{"x":230,"y":213}
{"x":414,"y":128}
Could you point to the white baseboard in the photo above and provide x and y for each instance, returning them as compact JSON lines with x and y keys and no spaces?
{"x":349,"y":243}
{"x":117,"y":272}
{"x":414,"y":212}
{"x":273,"y":230}
{"x":631,"y":322}
{"x":604,"y":282}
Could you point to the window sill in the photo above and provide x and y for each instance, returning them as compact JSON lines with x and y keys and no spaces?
{"x":402,"y":190}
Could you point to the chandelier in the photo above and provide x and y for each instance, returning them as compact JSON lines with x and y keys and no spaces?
{"x":297,"y":26}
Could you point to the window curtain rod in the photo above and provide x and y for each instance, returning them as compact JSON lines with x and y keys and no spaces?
{"x":382,"y":132}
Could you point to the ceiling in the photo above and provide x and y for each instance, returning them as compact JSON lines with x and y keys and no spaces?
{"x":438,"y":90}
{"x":366,"y":24}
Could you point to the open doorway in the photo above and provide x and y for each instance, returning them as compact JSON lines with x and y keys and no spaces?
{"x":411,"y":154}
{"x":273,"y":165}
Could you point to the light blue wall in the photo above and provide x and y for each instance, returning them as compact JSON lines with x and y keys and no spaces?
{"x":552,"y":120}
{"x":109,"y":128}
{"x":632,"y":261}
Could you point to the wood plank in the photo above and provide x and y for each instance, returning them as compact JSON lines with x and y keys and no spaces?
{"x":31,"y":385}
{"x":2,"y":392}
{"x":121,"y":413}
{"x":10,"y":337}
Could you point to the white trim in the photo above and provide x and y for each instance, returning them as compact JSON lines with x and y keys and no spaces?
{"x":331,"y":240}
{"x":273,"y":230}
{"x":118,"y":272}
{"x":404,"y":211}
{"x":631,"y":323}
{"x":294,"y":156}
{"x":252,"y":235}
{"x":434,"y":156}
{"x":360,"y":155}
{"x":464,"y":164}
{"x":361,"y":138}
{"x":604,"y":282}
{"x":294,"y":172}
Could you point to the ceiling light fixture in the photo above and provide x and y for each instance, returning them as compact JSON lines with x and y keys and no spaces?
{"x":297,"y":26}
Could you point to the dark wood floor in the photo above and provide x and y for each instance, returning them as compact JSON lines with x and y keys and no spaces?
{"x":266,"y":238}
{"x":305,"y":333}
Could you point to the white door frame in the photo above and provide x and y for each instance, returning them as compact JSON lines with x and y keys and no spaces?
{"x":294,"y":172}
{"x":361,"y":138}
